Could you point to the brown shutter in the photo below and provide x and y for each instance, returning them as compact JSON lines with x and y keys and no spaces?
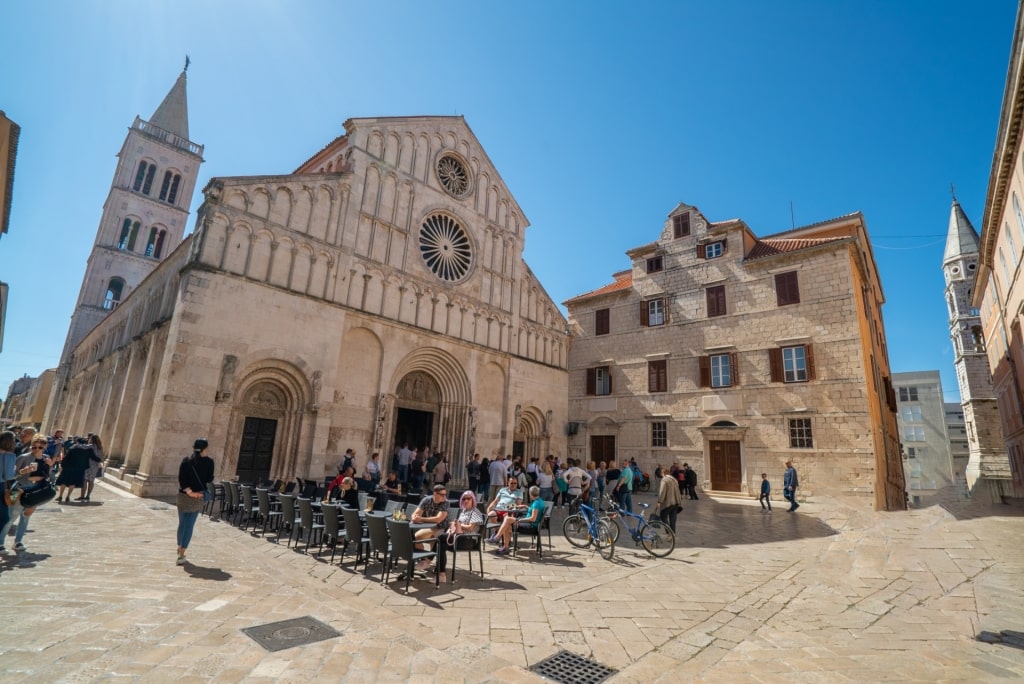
{"x":794,"y":288}
{"x":712,"y":303}
{"x":701,"y":254}
{"x":809,"y":356}
{"x":775,"y":364}
{"x":734,"y":369}
{"x":591,"y":381}
{"x":608,"y":370}
{"x":652,"y":377}
{"x":781,"y":292}
{"x":725,"y":245}
{"x":705,"y":371}
{"x":645,"y":317}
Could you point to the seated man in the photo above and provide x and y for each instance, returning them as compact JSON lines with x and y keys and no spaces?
{"x":531,"y":518}
{"x":391,"y":485}
{"x":432,"y":509}
{"x":508,"y":499}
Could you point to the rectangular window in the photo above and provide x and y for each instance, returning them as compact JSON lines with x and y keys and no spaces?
{"x":912,"y":414}
{"x":714,"y":250}
{"x":794,"y":364}
{"x":659,"y":434}
{"x":599,"y":381}
{"x":716,"y":300}
{"x":908,"y":394}
{"x":787,"y":290}
{"x":800,"y":436}
{"x":681,"y":225}
{"x":601,"y":322}
{"x":911,"y":452}
{"x":657,"y":376}
{"x":720,"y":371}
{"x":654,"y":264}
{"x":913,"y":433}
{"x":655,"y":312}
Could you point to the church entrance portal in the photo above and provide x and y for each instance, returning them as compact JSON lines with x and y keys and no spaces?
{"x":256,"y":450}
{"x":414,"y":427}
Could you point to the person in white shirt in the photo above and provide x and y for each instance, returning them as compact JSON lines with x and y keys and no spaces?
{"x":497,"y":472}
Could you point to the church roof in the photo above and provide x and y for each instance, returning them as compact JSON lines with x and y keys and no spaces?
{"x":172,"y":114}
{"x":623,"y":281}
{"x":961,"y":238}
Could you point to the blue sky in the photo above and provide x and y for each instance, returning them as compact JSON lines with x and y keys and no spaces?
{"x":600,"y":116}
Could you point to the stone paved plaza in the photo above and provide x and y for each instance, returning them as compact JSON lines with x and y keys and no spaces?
{"x":824,"y":595}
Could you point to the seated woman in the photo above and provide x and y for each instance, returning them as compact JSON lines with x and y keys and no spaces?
{"x":532,"y":518}
{"x":469,"y":521}
{"x":347,"y":491}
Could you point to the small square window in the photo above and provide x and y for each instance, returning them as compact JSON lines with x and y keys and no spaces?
{"x":787,"y":289}
{"x":599,"y":381}
{"x":659,"y":434}
{"x":800,"y":436}
{"x":654,"y":264}
{"x":908,"y":394}
{"x":913,"y":433}
{"x":713,"y":250}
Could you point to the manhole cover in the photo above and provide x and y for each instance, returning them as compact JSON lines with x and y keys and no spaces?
{"x":277,"y":636}
{"x":569,"y":668}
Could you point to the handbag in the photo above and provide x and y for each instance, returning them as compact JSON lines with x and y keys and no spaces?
{"x":189,"y":504}
{"x":38,"y":494}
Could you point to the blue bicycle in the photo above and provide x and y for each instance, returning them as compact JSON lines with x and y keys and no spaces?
{"x":585,"y":528}
{"x":655,"y":536}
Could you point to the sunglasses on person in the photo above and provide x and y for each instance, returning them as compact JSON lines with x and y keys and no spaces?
{"x":38,"y":446}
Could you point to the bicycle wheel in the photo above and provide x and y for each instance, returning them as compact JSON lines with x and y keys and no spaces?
{"x":657,"y":539}
{"x":575,"y":530}
{"x":604,"y":542}
{"x":613,"y":526}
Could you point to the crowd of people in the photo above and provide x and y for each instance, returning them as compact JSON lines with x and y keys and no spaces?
{"x":29,"y":459}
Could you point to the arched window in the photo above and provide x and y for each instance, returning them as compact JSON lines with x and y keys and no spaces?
{"x":169,"y":189}
{"x":144,"y":178}
{"x":126,"y":229}
{"x":158,"y":250}
{"x":151,"y":243}
{"x":133,"y":235}
{"x":979,"y":338}
{"x":113,"y":296}
{"x":1020,"y":216}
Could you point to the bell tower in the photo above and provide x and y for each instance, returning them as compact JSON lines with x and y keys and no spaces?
{"x":145,"y":213}
{"x":988,"y":467}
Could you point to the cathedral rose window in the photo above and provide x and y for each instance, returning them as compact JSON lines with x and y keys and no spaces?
{"x":445,"y":247}
{"x":453,"y":176}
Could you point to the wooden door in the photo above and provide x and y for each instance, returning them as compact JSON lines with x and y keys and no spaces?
{"x":256,"y":450}
{"x":726,"y":475}
{"x":602,"y":448}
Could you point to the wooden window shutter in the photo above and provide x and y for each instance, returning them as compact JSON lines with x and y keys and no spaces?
{"x":645,"y":317}
{"x":775,"y":364}
{"x":608,"y":370}
{"x":652,"y":377}
{"x":725,"y":245}
{"x":809,"y":356}
{"x":664,"y":309}
{"x":591,"y":381}
{"x":787,"y":290}
{"x":705,"y":371}
{"x":701,"y":252}
{"x":734,"y":369}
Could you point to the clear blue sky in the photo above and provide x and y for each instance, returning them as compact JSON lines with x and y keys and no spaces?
{"x":600,"y":116}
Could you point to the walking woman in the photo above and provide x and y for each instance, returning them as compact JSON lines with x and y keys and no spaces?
{"x":193,"y":475}
{"x":94,"y":467}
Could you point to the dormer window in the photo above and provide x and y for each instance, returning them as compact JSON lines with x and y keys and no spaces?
{"x":681,"y":225}
{"x":654,"y":264}
{"x":714,"y":250}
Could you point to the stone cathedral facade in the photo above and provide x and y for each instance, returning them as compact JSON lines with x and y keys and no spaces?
{"x":375,"y":296}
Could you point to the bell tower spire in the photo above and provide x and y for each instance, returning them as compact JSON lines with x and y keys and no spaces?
{"x":145,"y":214}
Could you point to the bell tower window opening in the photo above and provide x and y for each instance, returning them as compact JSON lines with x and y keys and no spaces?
{"x":169,"y":189}
{"x":113,"y":295}
{"x":158,"y":250}
{"x":144,"y":178}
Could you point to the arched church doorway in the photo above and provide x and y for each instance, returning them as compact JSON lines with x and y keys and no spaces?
{"x":417,"y":401}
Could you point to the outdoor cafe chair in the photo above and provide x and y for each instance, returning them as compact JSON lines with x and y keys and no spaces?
{"x":362,"y":500}
{"x":310,"y":529}
{"x":392,"y":506}
{"x":270,"y":512}
{"x":380,"y":544}
{"x":403,"y":548}
{"x":530,"y":531}
{"x":250,"y":509}
{"x":290,"y":519}
{"x":477,"y":539}
{"x":216,"y":494}
{"x":410,"y":509}
{"x":354,"y":533}
{"x":231,"y":490}
{"x":332,"y":531}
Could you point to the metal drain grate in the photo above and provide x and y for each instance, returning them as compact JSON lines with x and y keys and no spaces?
{"x":569,"y":668}
{"x":277,"y":636}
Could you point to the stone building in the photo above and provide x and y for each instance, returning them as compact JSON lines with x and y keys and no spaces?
{"x":735,"y":353}
{"x":376,"y":295}
{"x":921,"y":415}
{"x":9,"y":134}
{"x":959,"y":448}
{"x":988,"y":468}
{"x":998,"y":289}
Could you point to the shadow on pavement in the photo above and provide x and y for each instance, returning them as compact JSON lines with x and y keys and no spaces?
{"x":214,"y":574}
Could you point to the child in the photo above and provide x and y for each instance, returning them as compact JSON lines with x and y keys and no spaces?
{"x":766,"y":491}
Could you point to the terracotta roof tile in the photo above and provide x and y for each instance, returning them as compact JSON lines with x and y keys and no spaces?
{"x":623,"y":281}
{"x":771,"y":247}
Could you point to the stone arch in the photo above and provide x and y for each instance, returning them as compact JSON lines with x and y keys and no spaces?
{"x":531,"y":433}
{"x":272,"y":397}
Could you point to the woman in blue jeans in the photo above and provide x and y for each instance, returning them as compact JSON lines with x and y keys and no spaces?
{"x":194,"y":473}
